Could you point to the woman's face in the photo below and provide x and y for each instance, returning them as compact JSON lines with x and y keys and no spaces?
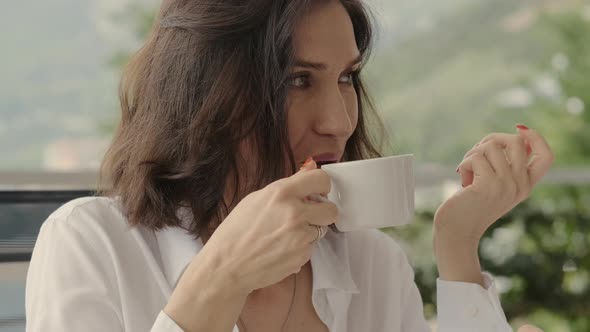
{"x":322,"y":101}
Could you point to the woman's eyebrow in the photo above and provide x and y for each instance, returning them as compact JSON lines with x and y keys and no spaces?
{"x":322,"y":66}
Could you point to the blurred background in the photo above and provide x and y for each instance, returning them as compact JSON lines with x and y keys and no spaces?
{"x":443,"y":75}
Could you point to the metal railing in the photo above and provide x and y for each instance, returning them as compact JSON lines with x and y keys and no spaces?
{"x":30,"y":188}
{"x":17,"y":246}
{"x":427,"y":174}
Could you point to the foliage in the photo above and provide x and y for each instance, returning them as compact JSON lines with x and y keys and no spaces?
{"x":539,"y":254}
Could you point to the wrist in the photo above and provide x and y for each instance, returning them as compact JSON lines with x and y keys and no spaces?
{"x":457,"y":259}
{"x":206,"y":284}
{"x":222,"y":274}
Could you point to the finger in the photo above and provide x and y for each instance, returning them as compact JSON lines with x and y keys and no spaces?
{"x":316,"y":198}
{"x":541,"y":151}
{"x":517,"y":153}
{"x":479,"y":166}
{"x":500,"y":138}
{"x":515,"y":149}
{"x":309,"y":182}
{"x":495,"y":154}
{"x":472,"y":150}
{"x":486,"y":139}
{"x":308,"y":164}
{"x":466,"y":176}
{"x":322,"y":214}
{"x":316,"y":234}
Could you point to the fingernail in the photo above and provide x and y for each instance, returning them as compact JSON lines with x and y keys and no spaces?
{"x":307,"y":162}
{"x":457,"y":170}
{"x":522,"y":127}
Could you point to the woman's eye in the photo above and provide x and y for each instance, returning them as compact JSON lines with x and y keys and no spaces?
{"x":348,"y":78}
{"x":299,"y":82}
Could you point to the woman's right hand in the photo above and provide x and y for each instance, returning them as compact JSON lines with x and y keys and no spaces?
{"x":265,"y":238}
{"x":268,"y":236}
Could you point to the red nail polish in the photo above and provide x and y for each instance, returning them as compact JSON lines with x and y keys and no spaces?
{"x":307,"y":161}
{"x":523,"y":127}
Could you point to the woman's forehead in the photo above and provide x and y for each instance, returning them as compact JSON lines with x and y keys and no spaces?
{"x":325,"y":35}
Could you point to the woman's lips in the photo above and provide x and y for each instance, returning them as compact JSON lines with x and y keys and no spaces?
{"x":325,"y":162}
{"x":333,"y":157}
{"x":326,"y":158}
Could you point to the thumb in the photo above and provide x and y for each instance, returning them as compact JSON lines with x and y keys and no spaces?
{"x":529,"y":328}
{"x":308,"y":165}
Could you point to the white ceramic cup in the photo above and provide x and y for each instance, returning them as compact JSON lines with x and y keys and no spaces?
{"x":372,"y":193}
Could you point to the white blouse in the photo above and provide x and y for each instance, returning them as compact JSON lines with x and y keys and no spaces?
{"x":91,"y":271}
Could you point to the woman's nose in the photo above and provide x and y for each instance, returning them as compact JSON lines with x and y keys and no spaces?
{"x":333,"y":116}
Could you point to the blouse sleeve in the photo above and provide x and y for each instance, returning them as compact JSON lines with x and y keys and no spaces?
{"x":467,"y":307}
{"x":462,"y":307}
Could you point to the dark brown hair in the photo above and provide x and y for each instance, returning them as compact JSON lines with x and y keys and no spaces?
{"x":211,"y":75}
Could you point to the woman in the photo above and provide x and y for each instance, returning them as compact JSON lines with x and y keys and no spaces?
{"x":207,"y":227}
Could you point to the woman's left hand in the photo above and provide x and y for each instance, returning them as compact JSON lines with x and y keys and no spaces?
{"x":496,"y":174}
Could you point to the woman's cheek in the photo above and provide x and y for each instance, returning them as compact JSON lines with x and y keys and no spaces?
{"x":352,"y":107}
{"x":296,"y":119}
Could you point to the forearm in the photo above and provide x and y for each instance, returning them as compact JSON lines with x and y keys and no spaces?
{"x":207,"y":298}
{"x":457,"y":260}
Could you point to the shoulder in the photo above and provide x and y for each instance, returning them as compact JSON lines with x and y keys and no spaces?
{"x":77,"y":254}
{"x":85,"y":234}
{"x":91,"y":207}
{"x":87,"y":218}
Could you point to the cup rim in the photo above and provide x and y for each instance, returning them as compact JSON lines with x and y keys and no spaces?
{"x":371,"y":160}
